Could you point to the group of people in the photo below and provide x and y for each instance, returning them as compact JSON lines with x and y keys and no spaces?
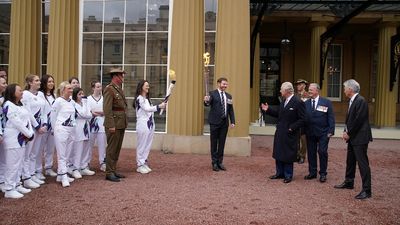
{"x":306,"y":121}
{"x":36,"y":122}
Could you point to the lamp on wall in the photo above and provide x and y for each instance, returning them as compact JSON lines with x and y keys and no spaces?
{"x":285,"y":42}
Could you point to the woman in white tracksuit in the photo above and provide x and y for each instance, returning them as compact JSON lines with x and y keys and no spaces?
{"x":144,"y":125}
{"x":81,"y":134}
{"x":48,"y":146}
{"x":97,"y":131}
{"x":3,"y":86}
{"x":17,"y":132}
{"x":63,"y":121}
{"x":33,"y":101}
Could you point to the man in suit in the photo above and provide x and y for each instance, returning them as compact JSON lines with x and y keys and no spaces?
{"x":320,"y":126}
{"x":221,"y":108}
{"x":115,"y":121}
{"x":303,"y":95}
{"x":291,"y":117}
{"x":357,"y":134}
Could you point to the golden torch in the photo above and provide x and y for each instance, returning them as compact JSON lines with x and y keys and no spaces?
{"x":172,"y":78}
{"x":206,"y":57}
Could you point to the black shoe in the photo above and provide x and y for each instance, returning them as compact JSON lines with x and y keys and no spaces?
{"x":301,"y":161}
{"x":215,"y":167}
{"x":112,"y":178}
{"x":345,"y":185}
{"x":273,"y":177}
{"x":310,"y":177}
{"x":364,"y":195}
{"x":322,"y":178}
{"x":119,"y":175}
{"x":287,"y":180}
{"x":221,"y":166}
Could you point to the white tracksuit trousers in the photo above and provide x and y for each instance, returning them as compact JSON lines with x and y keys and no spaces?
{"x":101,"y":140}
{"x":31,"y":154}
{"x":48,"y":147}
{"x":13,"y":164}
{"x":2,"y":163}
{"x":63,"y":141}
{"x":80,"y":151}
{"x":144,"y":141}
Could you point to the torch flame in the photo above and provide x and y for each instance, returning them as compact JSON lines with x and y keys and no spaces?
{"x":172,"y":75}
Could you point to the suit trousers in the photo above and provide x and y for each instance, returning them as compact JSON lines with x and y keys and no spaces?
{"x":114,"y":144}
{"x":301,"y":153}
{"x":317,"y":144}
{"x":217,"y":137}
{"x":284,"y":169}
{"x":358,"y":153}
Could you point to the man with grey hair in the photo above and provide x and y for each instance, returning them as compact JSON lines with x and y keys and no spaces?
{"x":320,"y":126}
{"x":291,"y":117}
{"x":357,"y":134}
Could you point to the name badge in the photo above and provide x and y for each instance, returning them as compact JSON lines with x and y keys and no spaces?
{"x":229,"y":101}
{"x":322,"y":108}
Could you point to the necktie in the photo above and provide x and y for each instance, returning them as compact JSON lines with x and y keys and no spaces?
{"x":351,"y":101}
{"x":313,"y":104}
{"x":223,"y":103}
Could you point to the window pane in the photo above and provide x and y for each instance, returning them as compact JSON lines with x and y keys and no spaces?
{"x":5,"y":18}
{"x":112,"y":53}
{"x":89,"y":74}
{"x":114,"y":16}
{"x":334,"y":71}
{"x":91,"y":49}
{"x":44,"y":48}
{"x":157,"y":77}
{"x":210,"y":16}
{"x":132,"y":77}
{"x":134,"y":48}
{"x":210,"y":46}
{"x":45,"y":16}
{"x":157,"y":48}
{"x":4,"y":48}
{"x":135,"y":15}
{"x":158,"y":14}
{"x":92,"y":16}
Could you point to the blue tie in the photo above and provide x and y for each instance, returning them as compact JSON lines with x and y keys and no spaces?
{"x":313,"y":105}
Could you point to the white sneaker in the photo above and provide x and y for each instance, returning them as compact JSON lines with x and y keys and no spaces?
{"x":2,"y":187}
{"x":103,"y":167}
{"x":147,"y":167}
{"x":65,"y":181}
{"x":76,"y":174}
{"x":50,"y":172}
{"x":70,"y":170}
{"x":13,"y":194}
{"x":40,"y":176}
{"x":59,"y":179}
{"x":142,"y":170}
{"x":23,"y":190}
{"x":37,"y":180}
{"x":87,"y":172}
{"x":29,"y":183}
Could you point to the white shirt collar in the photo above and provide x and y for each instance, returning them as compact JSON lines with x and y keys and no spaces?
{"x":352,"y":98}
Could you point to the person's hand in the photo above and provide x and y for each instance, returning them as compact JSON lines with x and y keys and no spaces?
{"x":162,"y":105}
{"x":232,"y":125}
{"x":42,"y":130}
{"x":207,"y":98}
{"x":1,"y":139}
{"x":111,"y":130}
{"x":329,"y":135}
{"x":345,"y":136}
{"x":264,"y":106}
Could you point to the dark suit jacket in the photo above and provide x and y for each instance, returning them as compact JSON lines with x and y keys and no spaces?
{"x":286,"y":142}
{"x":320,"y":121}
{"x":216,"y":113}
{"x":357,"y":122}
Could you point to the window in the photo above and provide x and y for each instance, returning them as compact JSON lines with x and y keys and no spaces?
{"x":5,"y":18}
{"x":210,"y":24}
{"x":132,"y":34}
{"x":334,"y":72}
{"x":44,"y":35}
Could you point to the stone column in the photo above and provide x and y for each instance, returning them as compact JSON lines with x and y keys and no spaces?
{"x":63,"y":46}
{"x":233,"y":58}
{"x":185,"y":108}
{"x":24,"y":40}
{"x":385,"y":108}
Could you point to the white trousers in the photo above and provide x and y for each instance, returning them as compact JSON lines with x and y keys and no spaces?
{"x":144,"y":141}
{"x":13,"y":164}
{"x":48,"y":147}
{"x":101,"y":140}
{"x":80,"y":152}
{"x":31,"y":154}
{"x":2,"y":163}
{"x":63,"y":141}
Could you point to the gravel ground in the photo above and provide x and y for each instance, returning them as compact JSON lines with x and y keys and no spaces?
{"x":182,"y":189}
